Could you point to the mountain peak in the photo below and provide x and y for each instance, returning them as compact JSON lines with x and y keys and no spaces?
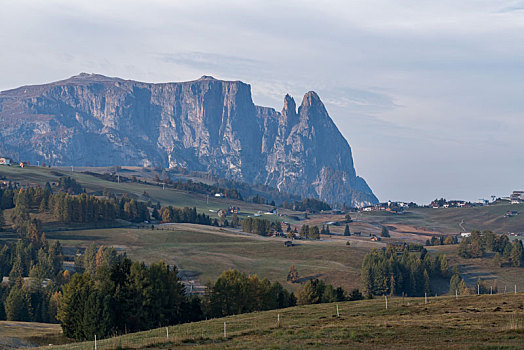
{"x":310,"y":99}
{"x":289,"y":104}
{"x":207,"y":77}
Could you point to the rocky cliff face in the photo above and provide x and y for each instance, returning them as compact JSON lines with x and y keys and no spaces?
{"x":206,"y":125}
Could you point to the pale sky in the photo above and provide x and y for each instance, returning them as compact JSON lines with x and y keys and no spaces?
{"x":429,"y":94}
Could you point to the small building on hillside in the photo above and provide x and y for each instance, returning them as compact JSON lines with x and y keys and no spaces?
{"x":517,"y":196}
{"x":5,"y":161}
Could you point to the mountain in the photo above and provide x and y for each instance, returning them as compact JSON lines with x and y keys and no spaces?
{"x":205,"y":125}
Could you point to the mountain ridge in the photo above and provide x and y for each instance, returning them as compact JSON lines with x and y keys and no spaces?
{"x":205,"y":124}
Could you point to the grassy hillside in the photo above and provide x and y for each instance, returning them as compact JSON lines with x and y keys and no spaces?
{"x":453,"y":220}
{"x":203,"y":252}
{"x":479,"y":322}
{"x":483,"y":268}
{"x":93,"y":184}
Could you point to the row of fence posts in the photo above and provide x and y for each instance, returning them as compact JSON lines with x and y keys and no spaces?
{"x":338,"y":310}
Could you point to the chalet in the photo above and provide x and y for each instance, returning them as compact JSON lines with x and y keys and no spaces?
{"x":465,"y":234}
{"x":375,"y":238}
{"x":219,"y":195}
{"x":5,"y":161}
{"x":233,"y":210}
{"x":517,"y":196}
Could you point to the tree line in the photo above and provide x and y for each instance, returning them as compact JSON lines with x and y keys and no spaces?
{"x":389,"y":272}
{"x":260,"y":226}
{"x":442,"y":240}
{"x":306,"y":204}
{"x":34,"y":267}
{"x":184,"y":215}
{"x":478,"y":244}
{"x":200,"y":187}
{"x":81,"y":208}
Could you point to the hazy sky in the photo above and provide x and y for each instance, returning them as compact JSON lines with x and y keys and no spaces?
{"x":429,"y":94}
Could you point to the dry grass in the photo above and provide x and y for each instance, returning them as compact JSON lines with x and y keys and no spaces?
{"x":205,"y":252}
{"x":15,"y":334}
{"x":472,"y":322}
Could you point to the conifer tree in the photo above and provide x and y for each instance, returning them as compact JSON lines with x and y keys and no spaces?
{"x":292,"y":276}
{"x":516,"y":253}
{"x":427,"y":287}
{"x":17,"y":303}
{"x":497,"y":261}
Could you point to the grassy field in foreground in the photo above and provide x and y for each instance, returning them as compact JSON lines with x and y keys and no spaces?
{"x":15,"y":334}
{"x":471,"y":322}
{"x":203,"y":252}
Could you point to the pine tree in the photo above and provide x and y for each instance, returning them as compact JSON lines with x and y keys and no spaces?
{"x":292,"y":276}
{"x":2,"y":220}
{"x":454,"y":283}
{"x":90,"y":259}
{"x":463,"y":288}
{"x":346,"y":231}
{"x":385,"y":232}
{"x":444,"y":267}
{"x":516,"y":253}
{"x":497,"y":261}
{"x":235,"y":220}
{"x":17,"y":303}
{"x":314,"y":232}
{"x":427,"y":287}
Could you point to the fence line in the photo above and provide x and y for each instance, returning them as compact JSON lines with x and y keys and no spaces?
{"x":237,"y":325}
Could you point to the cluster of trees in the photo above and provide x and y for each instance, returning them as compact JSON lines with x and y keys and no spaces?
{"x":390,"y":272}
{"x":81,"y":208}
{"x":476,"y":246}
{"x":306,"y":204}
{"x":458,"y":285}
{"x":260,"y":226}
{"x":124,"y":297}
{"x":271,"y":194}
{"x":234,"y":292}
{"x":258,"y":199}
{"x":34,"y":267}
{"x":309,"y":232}
{"x":325,"y":230}
{"x":69,"y":185}
{"x":185,"y":215}
{"x":200,"y":187}
{"x":316,"y":291}
{"x":442,"y":240}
